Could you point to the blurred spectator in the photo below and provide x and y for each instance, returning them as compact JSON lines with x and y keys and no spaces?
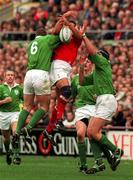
{"x":129,"y":121}
{"x":68,"y":122}
{"x":2,"y":2}
{"x":98,"y":15}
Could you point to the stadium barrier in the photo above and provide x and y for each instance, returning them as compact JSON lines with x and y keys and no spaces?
{"x":67,"y":142}
{"x":92,"y":34}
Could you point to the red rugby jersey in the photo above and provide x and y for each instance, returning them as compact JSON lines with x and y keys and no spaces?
{"x":67,"y":51}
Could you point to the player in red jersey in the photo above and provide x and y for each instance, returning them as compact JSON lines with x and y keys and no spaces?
{"x":63,"y":57}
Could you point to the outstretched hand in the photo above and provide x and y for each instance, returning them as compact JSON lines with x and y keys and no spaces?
{"x":65,"y":21}
{"x":73,"y":14}
{"x":82,"y":29}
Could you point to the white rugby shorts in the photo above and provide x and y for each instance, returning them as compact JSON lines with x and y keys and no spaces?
{"x":59,"y":70}
{"x":7,"y":118}
{"x":37,"y":82}
{"x":106,"y":106}
{"x":86,"y":111}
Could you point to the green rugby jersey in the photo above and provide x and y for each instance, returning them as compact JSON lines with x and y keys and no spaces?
{"x":83,"y":94}
{"x":16,"y":93}
{"x":40,"y":52}
{"x":102,"y":75}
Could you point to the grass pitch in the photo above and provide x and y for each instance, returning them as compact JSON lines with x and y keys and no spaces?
{"x":59,"y":168}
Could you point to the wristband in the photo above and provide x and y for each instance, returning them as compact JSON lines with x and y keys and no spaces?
{"x":84,"y":35}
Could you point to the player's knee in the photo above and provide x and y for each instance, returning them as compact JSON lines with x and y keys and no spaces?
{"x":66,"y":92}
{"x":92,"y":133}
{"x":80,"y":136}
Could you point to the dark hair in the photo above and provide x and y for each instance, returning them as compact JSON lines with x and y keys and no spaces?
{"x":9,"y":69}
{"x":72,"y":21}
{"x":40,"y":32}
{"x":104,"y":53}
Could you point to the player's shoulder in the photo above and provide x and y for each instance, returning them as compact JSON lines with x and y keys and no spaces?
{"x":2,"y":85}
{"x":97,"y":57}
{"x":19,"y":86}
{"x":47,"y":37}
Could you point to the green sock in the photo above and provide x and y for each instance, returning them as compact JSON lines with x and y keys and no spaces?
{"x":35,"y":118}
{"x":82,"y":153}
{"x":7,"y":144}
{"x":96,"y":149}
{"x":16,"y":148}
{"x":105,"y":143}
{"x":21,"y":120}
{"x":107,"y":154}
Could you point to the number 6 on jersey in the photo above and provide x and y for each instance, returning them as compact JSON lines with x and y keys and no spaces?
{"x":34,"y":47}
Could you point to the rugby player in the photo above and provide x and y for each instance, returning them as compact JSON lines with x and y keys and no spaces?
{"x":36,"y":82}
{"x":84,"y":101}
{"x":85,"y":109}
{"x":11,"y":95}
{"x":106,"y":104}
{"x":63,"y":58}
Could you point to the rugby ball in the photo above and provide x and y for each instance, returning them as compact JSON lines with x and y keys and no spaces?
{"x":65,"y":34}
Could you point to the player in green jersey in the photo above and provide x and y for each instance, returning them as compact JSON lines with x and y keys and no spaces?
{"x":106,"y":103}
{"x":36,"y":82}
{"x":11,"y":95}
{"x":85,"y":109}
{"x":84,"y":102}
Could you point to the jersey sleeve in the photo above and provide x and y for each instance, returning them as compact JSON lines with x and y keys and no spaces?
{"x":88,"y":80}
{"x":98,"y":60}
{"x":74,"y":87}
{"x":4,"y":93}
{"x":54,"y":41}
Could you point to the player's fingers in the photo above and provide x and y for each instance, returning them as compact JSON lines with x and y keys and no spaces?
{"x":59,"y":17}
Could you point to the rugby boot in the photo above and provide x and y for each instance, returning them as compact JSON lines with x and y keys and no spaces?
{"x":99,"y":166}
{"x":49,"y":137}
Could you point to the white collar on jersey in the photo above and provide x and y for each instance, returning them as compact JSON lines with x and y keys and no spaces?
{"x":38,"y":36}
{"x":15,"y":84}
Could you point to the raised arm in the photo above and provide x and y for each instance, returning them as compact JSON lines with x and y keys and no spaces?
{"x":81,"y":74}
{"x":74,"y":87}
{"x":75,"y":31}
{"x":58,"y":26}
{"x":85,"y":80}
{"x":73,"y":14}
{"x":92,"y":50}
{"x":60,"y":22}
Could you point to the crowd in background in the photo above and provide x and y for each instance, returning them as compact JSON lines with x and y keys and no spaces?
{"x":98,"y":15}
{"x":3,"y":2}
